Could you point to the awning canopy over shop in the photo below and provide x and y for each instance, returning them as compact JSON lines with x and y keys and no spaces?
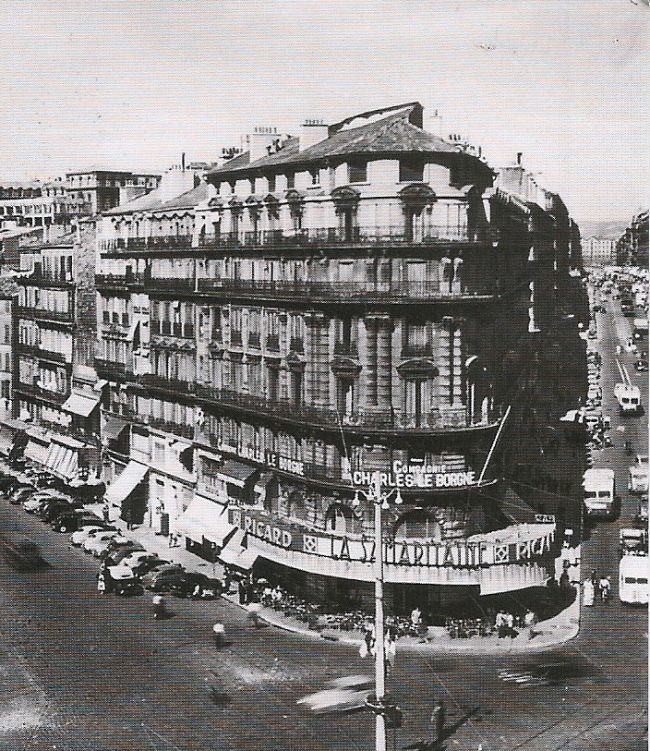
{"x":63,"y":456}
{"x":262,"y":483}
{"x":236,"y":555}
{"x":236,"y":473}
{"x":113,"y":428}
{"x":120,"y":489}
{"x":509,"y":577}
{"x":38,"y":444}
{"x":81,"y":404}
{"x":206,"y":519}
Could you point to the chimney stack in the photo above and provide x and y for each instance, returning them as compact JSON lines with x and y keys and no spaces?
{"x":312,"y":132}
{"x":519,"y":155}
{"x":259,"y":139}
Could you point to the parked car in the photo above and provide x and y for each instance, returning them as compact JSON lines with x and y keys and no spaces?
{"x":124,"y":569}
{"x":147,"y":565}
{"x":101,"y":551}
{"x":128,"y":588}
{"x":96,"y":543}
{"x":73,"y":519}
{"x":39,"y":500}
{"x":342,"y":695}
{"x":185,"y":584}
{"x":20,"y":494}
{"x":156,"y":578}
{"x":641,"y":516}
{"x":53,"y":509}
{"x":116,"y":553}
{"x":79,"y":537}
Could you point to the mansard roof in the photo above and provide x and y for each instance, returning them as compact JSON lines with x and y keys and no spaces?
{"x":392,"y":130}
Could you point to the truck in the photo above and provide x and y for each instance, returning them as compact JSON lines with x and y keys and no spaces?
{"x":628,"y":398}
{"x":599,"y":487}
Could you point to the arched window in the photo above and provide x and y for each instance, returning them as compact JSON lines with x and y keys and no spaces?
{"x":421,"y":525}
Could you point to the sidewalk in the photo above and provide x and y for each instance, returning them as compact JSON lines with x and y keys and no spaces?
{"x":543,"y":635}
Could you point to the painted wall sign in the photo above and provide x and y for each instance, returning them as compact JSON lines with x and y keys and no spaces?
{"x":416,"y":476}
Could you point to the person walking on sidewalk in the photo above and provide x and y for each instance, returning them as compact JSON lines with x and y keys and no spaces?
{"x":254,"y":609}
{"x":101,"y":583}
{"x":219,"y":633}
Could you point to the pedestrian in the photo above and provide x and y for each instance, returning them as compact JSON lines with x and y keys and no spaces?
{"x":243,"y":592}
{"x":438,"y":721}
{"x":604,"y":586}
{"x":170,"y":540}
{"x":219,"y":633}
{"x":108,"y":579}
{"x":564,"y":580}
{"x":158,"y":607}
{"x":390,"y":650}
{"x":588,"y":593}
{"x":101,"y":583}
{"x":416,"y":618}
{"x":105,"y":513}
{"x":254,"y":609}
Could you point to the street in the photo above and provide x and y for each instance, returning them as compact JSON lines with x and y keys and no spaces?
{"x":82,"y":671}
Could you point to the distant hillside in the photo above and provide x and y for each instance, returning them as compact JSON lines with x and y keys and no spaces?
{"x":611,"y":229}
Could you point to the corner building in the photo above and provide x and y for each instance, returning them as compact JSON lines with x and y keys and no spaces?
{"x":355,"y":298}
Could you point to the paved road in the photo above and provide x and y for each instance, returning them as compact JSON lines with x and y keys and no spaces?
{"x":81,"y":671}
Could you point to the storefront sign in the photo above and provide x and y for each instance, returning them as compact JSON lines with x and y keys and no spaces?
{"x":453,"y":554}
{"x":416,"y":476}
{"x":283,"y":463}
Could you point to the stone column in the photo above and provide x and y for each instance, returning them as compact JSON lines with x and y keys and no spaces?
{"x":370,"y":366}
{"x":384,"y":362}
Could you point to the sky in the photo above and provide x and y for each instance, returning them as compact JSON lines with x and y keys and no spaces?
{"x":134,"y":84}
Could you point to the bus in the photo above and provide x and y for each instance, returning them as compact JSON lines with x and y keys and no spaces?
{"x":599,"y":492}
{"x":628,"y":398}
{"x":633,"y":580}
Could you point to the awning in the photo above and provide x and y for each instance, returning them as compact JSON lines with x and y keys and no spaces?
{"x":100,"y":384}
{"x":81,"y":404}
{"x":236,"y":473}
{"x":206,"y":518}
{"x":120,"y":489}
{"x":113,"y":427}
{"x":36,"y":451}
{"x":235,"y":555}
{"x":133,"y":330}
{"x":511,"y":576}
{"x":263,"y":482}
{"x":516,"y":509}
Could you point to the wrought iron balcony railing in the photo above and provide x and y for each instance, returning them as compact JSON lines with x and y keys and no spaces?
{"x":384,"y":292}
{"x":147,"y":243}
{"x":119,"y":281}
{"x":55,"y":397}
{"x":45,"y":315}
{"x":445,"y":418}
{"x":45,"y":354}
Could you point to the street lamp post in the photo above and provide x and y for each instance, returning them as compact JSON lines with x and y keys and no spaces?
{"x":379,"y":705}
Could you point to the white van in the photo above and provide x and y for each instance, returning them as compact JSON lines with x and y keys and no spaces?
{"x":628,"y":398}
{"x":599,"y":492}
{"x":633,"y":580}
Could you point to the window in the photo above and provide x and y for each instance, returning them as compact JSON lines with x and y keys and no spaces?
{"x":411,"y":170}
{"x":315,"y":177}
{"x":271,"y":179}
{"x":291,"y":180}
{"x":357,"y":172}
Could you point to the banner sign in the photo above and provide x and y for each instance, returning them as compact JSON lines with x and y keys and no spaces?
{"x":361,"y":548}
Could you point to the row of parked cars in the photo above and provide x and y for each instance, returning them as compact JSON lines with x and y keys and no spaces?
{"x":131,"y":569}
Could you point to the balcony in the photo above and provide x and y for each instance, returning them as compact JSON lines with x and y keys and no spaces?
{"x":45,"y":280}
{"x":163,"y":242}
{"x":43,"y":354}
{"x":354,"y":292}
{"x":39,"y":314}
{"x":118,"y":282}
{"x":113,"y":370}
{"x":173,"y":284}
{"x":183,"y":431}
{"x":169,"y":384}
{"x":53,"y":397}
{"x":384,"y":236}
{"x":446,"y":418}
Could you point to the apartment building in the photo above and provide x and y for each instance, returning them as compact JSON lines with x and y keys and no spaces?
{"x":361,"y":297}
